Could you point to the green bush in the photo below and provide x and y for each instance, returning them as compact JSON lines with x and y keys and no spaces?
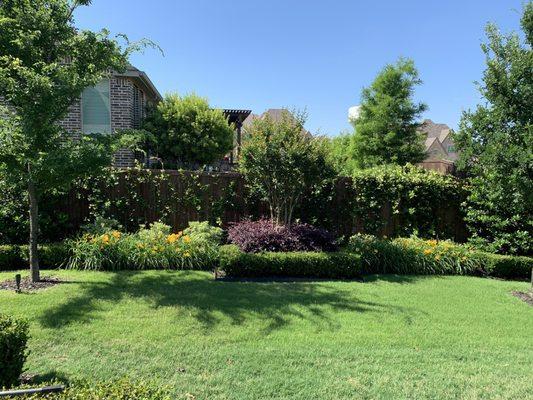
{"x":236,"y":263}
{"x":123,"y":389}
{"x":13,"y":339}
{"x":14,"y":257}
{"x":11,"y":258}
{"x":502,"y":266}
{"x":149,"y":248}
{"x":428,"y":257}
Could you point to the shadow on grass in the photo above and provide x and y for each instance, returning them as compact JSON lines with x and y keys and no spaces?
{"x":210,"y":301}
{"x":393,"y":278}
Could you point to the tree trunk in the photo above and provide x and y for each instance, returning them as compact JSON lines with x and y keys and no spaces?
{"x":34,"y":229}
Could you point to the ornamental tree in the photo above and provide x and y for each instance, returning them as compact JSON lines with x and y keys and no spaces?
{"x":187,"y":131}
{"x":386,"y":130}
{"x":281,"y":161}
{"x":495,"y":143}
{"x":45,"y":64}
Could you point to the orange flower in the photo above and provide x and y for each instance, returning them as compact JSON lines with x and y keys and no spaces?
{"x":428,"y":251}
{"x":116,"y":234}
{"x":186,"y":239}
{"x":186,"y":254}
{"x":105,"y":238}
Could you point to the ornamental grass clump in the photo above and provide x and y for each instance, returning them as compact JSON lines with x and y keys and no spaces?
{"x":155,"y":247}
{"x":266,"y":235}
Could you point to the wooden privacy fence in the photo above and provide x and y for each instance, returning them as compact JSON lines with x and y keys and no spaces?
{"x":177,"y":197}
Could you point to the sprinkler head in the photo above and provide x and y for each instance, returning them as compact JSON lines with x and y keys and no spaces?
{"x":17,"y":281}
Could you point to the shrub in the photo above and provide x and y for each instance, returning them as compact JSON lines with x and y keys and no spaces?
{"x":264,"y":235}
{"x":11,"y":258}
{"x":236,"y":263}
{"x":417,"y":256}
{"x":123,"y":389}
{"x":204,"y":231}
{"x":13,"y":339}
{"x":149,"y":248}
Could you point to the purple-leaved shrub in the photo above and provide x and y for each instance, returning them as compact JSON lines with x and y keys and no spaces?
{"x":264,"y":235}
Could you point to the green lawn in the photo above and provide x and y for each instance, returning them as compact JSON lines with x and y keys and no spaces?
{"x":391,"y":337}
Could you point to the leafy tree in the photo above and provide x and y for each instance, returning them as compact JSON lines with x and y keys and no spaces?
{"x":45,"y":64}
{"x":386,"y":128}
{"x":495,"y":142}
{"x":340,"y":154}
{"x":187,"y":130}
{"x":281,"y":161}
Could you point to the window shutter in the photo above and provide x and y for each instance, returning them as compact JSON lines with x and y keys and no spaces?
{"x":96,"y":108}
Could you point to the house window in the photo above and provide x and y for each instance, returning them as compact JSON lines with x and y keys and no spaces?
{"x":96,"y":108}
{"x":451,"y":149}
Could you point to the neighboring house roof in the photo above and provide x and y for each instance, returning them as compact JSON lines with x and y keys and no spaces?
{"x":143,"y":80}
{"x":436,"y":134}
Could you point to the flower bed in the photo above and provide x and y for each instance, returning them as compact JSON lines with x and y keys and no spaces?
{"x":150,"y":248}
{"x":432,"y":257}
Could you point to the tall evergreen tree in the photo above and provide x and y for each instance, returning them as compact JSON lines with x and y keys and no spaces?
{"x":495,"y":142}
{"x":386,"y":128}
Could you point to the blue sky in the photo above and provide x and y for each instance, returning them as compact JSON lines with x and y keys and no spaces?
{"x":308,"y":54}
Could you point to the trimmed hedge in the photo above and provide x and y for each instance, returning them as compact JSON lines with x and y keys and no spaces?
{"x":122,"y":389}
{"x":14,"y":257}
{"x":432,"y":257}
{"x":502,"y":266}
{"x":11,"y":258}
{"x":338,"y":265}
{"x":13,"y":340}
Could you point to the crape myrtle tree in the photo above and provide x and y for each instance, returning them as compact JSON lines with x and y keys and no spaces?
{"x":495,"y":143}
{"x":281,"y":161}
{"x":386,"y":130}
{"x":45,"y":64}
{"x":186,"y":130}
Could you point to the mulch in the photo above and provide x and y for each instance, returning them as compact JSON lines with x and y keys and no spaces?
{"x":27,"y":285}
{"x":527,"y":297}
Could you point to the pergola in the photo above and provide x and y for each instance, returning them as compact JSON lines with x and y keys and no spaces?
{"x":237,"y":117}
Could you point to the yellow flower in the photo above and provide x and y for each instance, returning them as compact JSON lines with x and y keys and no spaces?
{"x":116,"y":234}
{"x":428,"y":251}
{"x":172,"y":238}
{"x":437,"y":258}
{"x":186,"y":254}
{"x":186,"y":239}
{"x":432,"y":242}
{"x":105,"y":238}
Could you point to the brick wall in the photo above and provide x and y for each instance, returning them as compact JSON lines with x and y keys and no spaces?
{"x":72,"y":122}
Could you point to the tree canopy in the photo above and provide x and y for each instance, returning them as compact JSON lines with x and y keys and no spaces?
{"x":495,"y":142}
{"x":188,"y":131}
{"x":281,"y":160}
{"x":386,"y":128}
{"x":45,"y":64}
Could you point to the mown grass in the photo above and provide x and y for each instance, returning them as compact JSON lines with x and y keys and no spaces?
{"x":391,"y":337}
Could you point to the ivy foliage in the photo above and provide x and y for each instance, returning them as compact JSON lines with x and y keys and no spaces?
{"x":417,"y":201}
{"x":495,"y":143}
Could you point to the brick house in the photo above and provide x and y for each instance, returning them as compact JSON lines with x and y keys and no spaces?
{"x":114,"y":104}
